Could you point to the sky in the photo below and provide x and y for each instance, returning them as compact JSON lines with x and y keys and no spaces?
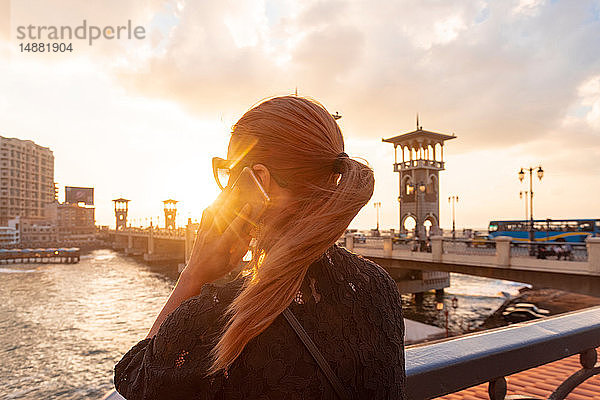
{"x":518,"y":83}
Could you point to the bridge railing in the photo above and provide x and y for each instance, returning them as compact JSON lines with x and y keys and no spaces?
{"x":556,"y":250}
{"x":469,"y":246}
{"x":158,"y":232}
{"x":438,"y":368}
{"x":369,"y":241}
{"x":404,"y":244}
{"x":559,"y":251}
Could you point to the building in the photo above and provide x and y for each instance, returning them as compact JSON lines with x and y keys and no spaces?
{"x":9,"y":237}
{"x":65,"y":224}
{"x":75,"y":223}
{"x":34,"y":232}
{"x":422,"y":160}
{"x":26,"y":179}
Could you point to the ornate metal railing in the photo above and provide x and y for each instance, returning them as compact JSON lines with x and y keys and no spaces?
{"x":447,"y":366}
{"x":469,"y":246}
{"x":566,"y":251}
{"x":418,"y":163}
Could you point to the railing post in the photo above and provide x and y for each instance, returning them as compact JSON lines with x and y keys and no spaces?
{"x":387,"y":246}
{"x":593,"y":254}
{"x":437,"y":248}
{"x":151,"y":241}
{"x":497,"y":389}
{"x":503,"y":250}
{"x":350,"y":241}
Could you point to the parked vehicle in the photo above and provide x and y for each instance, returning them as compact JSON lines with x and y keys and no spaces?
{"x":523,"y":312}
{"x":360,"y":238}
{"x":400,"y":238}
{"x":482,"y":240}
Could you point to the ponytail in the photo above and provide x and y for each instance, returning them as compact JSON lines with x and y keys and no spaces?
{"x":333,"y":191}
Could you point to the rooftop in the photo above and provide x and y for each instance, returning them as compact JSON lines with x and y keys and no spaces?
{"x":418,"y":136}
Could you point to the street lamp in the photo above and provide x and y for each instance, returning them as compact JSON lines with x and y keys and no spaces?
{"x":440,"y":306}
{"x":453,"y":200}
{"x":377,"y":206}
{"x":521,"y":194}
{"x":540,"y":174}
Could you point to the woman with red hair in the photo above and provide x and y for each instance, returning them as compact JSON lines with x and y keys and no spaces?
{"x":308,"y":319}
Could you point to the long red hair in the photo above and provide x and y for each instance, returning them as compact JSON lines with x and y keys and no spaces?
{"x":299,"y":141}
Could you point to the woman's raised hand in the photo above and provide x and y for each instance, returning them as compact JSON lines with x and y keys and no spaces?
{"x":219,"y":248}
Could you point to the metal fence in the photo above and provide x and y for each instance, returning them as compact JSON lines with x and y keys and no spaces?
{"x":469,"y":247}
{"x":439,"y":368}
{"x":541,"y":250}
{"x":552,"y":251}
{"x":405,"y":244}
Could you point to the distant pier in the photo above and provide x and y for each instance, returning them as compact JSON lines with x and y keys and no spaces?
{"x":42,"y":256}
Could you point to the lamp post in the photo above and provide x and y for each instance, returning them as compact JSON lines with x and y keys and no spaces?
{"x":521,"y":194}
{"x":455,"y":306}
{"x":453,"y":200}
{"x":440,"y":307}
{"x":377,"y":206}
{"x":540,"y":174}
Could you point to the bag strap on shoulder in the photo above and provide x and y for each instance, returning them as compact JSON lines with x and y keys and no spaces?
{"x":314,"y":351}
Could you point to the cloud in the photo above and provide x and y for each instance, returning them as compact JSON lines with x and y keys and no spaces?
{"x":517,"y":81}
{"x":495,"y":73}
{"x":589,"y":93}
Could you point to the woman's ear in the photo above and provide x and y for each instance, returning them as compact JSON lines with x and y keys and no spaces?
{"x":263,"y":175}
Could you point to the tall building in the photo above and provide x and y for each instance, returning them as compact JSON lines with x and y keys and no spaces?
{"x":26,"y":179}
{"x":422,"y":160}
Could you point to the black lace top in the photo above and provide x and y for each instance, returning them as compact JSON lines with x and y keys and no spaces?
{"x":349,"y":306}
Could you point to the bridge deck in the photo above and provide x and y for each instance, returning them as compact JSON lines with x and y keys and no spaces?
{"x":504,"y":260}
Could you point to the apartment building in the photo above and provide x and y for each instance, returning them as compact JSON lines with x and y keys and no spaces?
{"x":26,"y":179}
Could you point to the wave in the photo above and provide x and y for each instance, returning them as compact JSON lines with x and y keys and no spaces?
{"x":481,"y":295}
{"x":15,"y":271}
{"x":466,"y":285}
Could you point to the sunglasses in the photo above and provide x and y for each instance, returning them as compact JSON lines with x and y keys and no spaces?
{"x":224,"y":169}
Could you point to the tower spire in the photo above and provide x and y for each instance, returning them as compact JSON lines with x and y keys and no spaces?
{"x":417,"y":121}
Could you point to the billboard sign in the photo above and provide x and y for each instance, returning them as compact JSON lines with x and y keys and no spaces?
{"x":79,"y":194}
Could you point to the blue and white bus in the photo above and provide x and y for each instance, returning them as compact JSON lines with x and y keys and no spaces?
{"x":548,"y":230}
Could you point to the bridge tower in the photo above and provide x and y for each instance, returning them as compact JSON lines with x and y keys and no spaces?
{"x":170,"y":213}
{"x":121,"y":208}
{"x":422,"y":158}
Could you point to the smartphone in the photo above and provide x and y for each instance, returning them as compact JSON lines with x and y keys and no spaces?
{"x":245,"y":190}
